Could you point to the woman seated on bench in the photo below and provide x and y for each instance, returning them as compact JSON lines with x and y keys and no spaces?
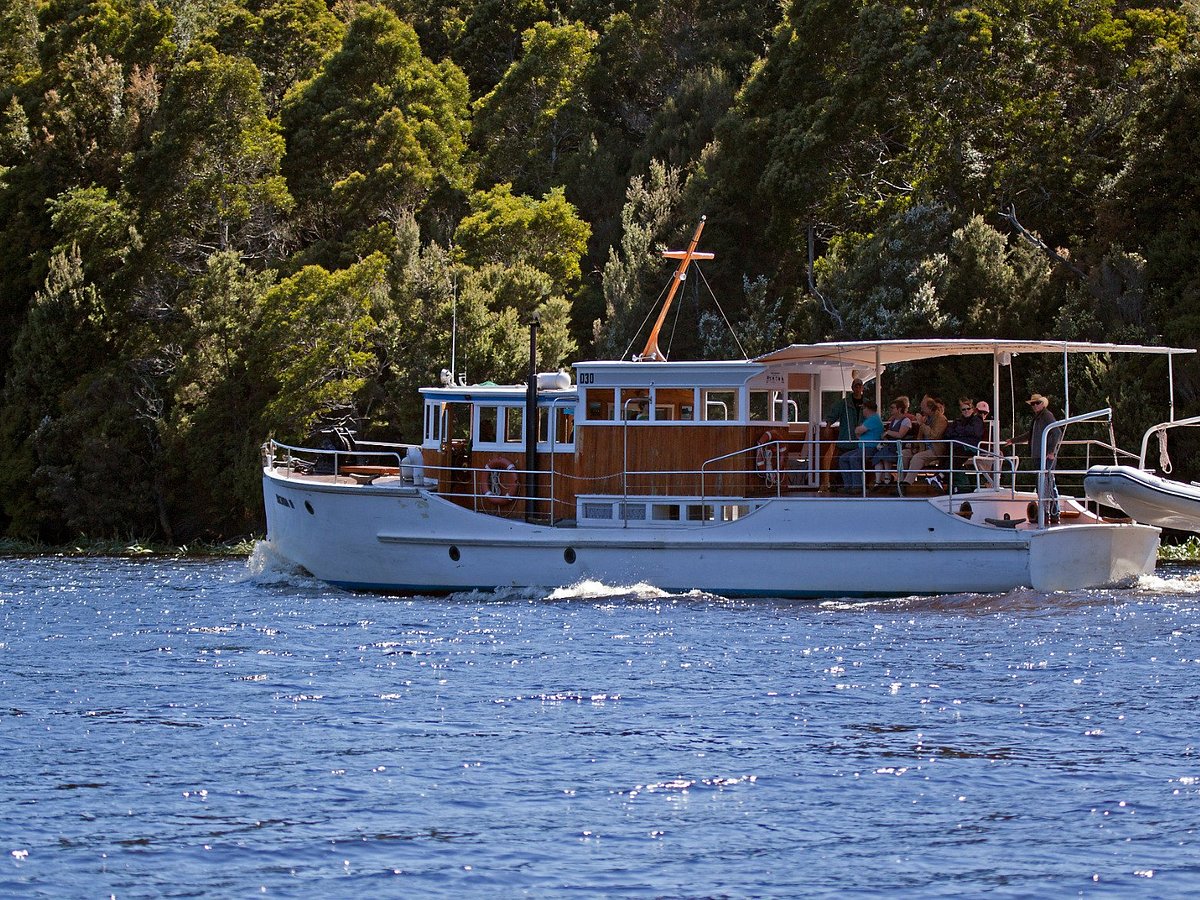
{"x":931,"y":428}
{"x":898,"y":427}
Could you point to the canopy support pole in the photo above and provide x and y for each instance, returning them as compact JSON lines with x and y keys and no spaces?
{"x":995,"y":423}
{"x":1171,"y":385}
{"x":1066,"y":386}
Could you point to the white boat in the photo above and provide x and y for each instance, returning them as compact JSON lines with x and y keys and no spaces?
{"x":1145,"y":496}
{"x":688,"y":475}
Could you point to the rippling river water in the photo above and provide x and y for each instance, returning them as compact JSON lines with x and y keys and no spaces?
{"x":189,"y":728}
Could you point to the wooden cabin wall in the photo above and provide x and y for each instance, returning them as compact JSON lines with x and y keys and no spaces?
{"x":563,"y":483}
{"x":461,"y":480}
{"x":664,"y":451}
{"x":669,"y":454}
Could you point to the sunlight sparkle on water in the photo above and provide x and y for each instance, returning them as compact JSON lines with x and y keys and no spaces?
{"x":241,"y":728}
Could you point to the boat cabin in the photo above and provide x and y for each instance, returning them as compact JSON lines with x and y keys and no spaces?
{"x":634,"y":428}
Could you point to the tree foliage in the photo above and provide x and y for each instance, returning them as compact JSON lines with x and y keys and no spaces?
{"x":376,"y":131}
{"x":210,"y":181}
{"x":312,"y":343}
{"x":534,"y":118}
{"x":222,"y":219}
{"x":506,"y":228}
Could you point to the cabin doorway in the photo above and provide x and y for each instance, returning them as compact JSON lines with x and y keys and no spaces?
{"x":456,"y":446}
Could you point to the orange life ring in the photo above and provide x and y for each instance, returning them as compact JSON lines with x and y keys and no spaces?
{"x":767,"y":458}
{"x":499,"y":482}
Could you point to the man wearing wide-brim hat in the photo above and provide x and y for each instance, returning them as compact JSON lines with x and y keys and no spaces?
{"x":1042,"y":419}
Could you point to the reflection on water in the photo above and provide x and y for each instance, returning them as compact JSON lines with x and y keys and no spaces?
{"x":218,"y":729}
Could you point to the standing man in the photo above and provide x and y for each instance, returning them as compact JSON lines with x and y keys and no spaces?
{"x":1042,"y":419}
{"x":848,"y":413}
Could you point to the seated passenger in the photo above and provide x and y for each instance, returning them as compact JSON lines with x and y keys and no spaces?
{"x":963,"y":437}
{"x":988,"y":462}
{"x":930,"y":431}
{"x":854,"y":462}
{"x":898,"y":426}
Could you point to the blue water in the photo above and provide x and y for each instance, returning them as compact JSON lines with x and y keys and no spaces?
{"x":183,"y":728}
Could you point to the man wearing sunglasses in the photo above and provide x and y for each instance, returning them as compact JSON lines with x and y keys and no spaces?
{"x":1042,"y":419}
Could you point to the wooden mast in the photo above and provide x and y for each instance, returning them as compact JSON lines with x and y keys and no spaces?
{"x":685,"y":257}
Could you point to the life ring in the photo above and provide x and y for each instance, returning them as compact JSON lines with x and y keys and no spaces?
{"x":499,"y":482}
{"x":767,"y":458}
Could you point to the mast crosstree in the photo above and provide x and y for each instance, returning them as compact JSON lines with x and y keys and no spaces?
{"x":651,"y":353}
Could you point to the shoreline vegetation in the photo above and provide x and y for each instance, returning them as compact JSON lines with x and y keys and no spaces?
{"x":1184,"y":551}
{"x":223,"y":222}
{"x":129,"y":549}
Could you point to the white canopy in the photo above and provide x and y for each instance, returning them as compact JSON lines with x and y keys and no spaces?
{"x":869,"y":354}
{"x":868,"y":359}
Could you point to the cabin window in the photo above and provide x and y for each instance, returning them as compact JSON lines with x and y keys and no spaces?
{"x":664,"y":512}
{"x":633,"y":512}
{"x":513,"y":418}
{"x":796,"y":407}
{"x":564,"y":426}
{"x":458,"y":422}
{"x":433,"y":422}
{"x":762,"y":407}
{"x":797,"y":400}
{"x":543,"y":425}
{"x":635,"y":404}
{"x":597,"y":510}
{"x":697,"y":512}
{"x":488,"y":417}
{"x":600,"y":404}
{"x":674,"y":404}
{"x":732,"y":512}
{"x":720,"y":406}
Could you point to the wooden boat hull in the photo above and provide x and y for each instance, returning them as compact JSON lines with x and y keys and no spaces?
{"x":409,"y":540}
{"x":1145,"y":497}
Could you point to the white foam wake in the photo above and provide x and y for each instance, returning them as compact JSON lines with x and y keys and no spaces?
{"x":267,"y":565}
{"x":1174,"y":584}
{"x":591,"y":589}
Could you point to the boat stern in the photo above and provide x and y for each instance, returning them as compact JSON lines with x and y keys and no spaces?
{"x":1086,"y":556}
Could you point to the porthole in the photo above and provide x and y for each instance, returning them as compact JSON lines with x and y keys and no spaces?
{"x":308,"y":506}
{"x":454,"y":554}
{"x":569,"y":554}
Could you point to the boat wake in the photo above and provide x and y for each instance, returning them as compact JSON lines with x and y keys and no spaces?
{"x":590,"y":589}
{"x":1018,"y":600}
{"x":1172,"y":584}
{"x":267,"y":566}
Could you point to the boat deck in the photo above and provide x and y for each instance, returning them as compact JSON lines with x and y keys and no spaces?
{"x":997,"y":508}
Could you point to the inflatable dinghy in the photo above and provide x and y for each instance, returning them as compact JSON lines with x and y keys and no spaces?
{"x":1147,"y":498}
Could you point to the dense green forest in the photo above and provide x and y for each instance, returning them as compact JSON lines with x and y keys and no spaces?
{"x":226,"y":219}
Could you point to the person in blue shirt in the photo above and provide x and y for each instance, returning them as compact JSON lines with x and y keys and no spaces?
{"x":853,"y":462}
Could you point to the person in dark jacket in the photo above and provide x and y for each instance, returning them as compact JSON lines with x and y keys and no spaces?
{"x":1042,"y":419}
{"x":963,"y":435}
{"x":848,"y":413}
{"x":967,"y":429}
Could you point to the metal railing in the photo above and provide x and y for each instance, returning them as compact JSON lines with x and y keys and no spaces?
{"x":770,"y":462}
{"x":1161,"y":430}
{"x":774,"y":468}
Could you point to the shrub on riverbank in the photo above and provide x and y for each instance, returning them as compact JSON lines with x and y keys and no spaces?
{"x":13,"y":547}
